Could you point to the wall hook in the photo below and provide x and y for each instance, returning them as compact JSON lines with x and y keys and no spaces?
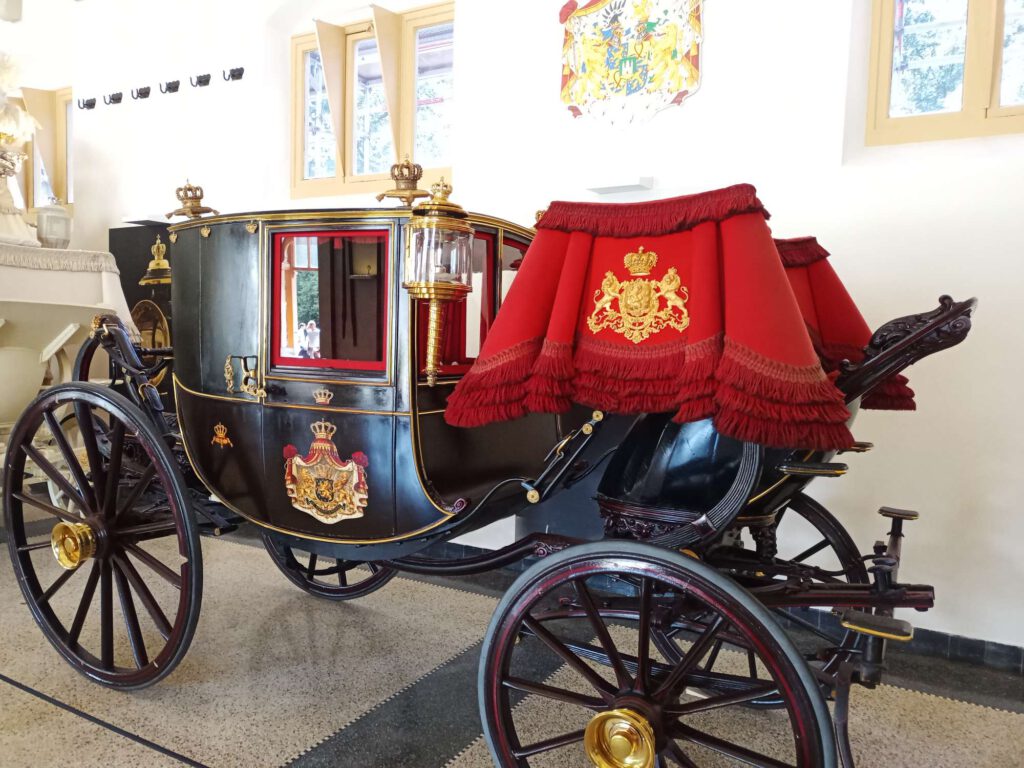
{"x":140,"y":93}
{"x":86,"y":103}
{"x":200,"y":81}
{"x":114,"y":98}
{"x":233,"y":74}
{"x":172,"y":86}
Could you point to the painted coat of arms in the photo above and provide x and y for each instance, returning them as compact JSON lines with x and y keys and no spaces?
{"x":321,"y":483}
{"x":628,"y":59}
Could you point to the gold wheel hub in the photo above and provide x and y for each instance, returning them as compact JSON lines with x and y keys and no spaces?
{"x":72,"y":543}
{"x":620,"y":738}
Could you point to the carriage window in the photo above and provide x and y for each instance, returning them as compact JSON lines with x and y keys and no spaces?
{"x":330,"y":302}
{"x":512,"y":253}
{"x":467,"y":322}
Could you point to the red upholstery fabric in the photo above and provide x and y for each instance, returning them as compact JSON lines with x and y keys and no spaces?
{"x":740,"y":352}
{"x":836,"y":326}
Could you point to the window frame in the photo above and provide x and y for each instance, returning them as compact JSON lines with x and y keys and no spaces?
{"x":279,"y":362}
{"x":399,"y":50}
{"x":980,"y":114}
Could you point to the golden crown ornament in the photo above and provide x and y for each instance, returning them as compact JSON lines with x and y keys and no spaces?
{"x":220,"y":436}
{"x":191,"y":198}
{"x":323,"y":396}
{"x":640,"y":262}
{"x":323,"y":430}
{"x":406,"y":176}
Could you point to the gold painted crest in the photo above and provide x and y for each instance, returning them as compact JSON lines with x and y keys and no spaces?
{"x":321,"y":483}
{"x":640,"y":308}
{"x":220,"y":436}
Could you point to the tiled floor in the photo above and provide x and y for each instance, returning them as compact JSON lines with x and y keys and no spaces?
{"x":275,"y":677}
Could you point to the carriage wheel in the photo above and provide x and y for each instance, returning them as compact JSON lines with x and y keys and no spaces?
{"x":806,"y":532}
{"x":568,"y":674}
{"x":126,"y":529}
{"x":326,"y":577}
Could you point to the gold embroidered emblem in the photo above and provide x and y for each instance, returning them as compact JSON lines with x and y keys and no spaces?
{"x":323,"y":396}
{"x":321,"y":483}
{"x":220,"y":437}
{"x":634,"y":307}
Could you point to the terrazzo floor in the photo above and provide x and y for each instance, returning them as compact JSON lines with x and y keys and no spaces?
{"x":275,"y":677}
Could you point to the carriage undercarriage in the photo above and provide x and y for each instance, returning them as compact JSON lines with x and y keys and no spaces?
{"x":673,"y":618}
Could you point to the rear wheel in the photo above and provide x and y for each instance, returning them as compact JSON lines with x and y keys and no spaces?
{"x":569,"y":674}
{"x":327,"y":577}
{"x":123,"y":526}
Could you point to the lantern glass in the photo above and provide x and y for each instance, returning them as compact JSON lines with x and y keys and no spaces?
{"x":441,"y":255}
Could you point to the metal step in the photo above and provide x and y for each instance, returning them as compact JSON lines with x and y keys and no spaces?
{"x":877,"y":626}
{"x":898,"y":514}
{"x":813,"y":469}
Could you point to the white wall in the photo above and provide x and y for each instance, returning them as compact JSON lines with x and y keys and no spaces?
{"x":781,"y":105}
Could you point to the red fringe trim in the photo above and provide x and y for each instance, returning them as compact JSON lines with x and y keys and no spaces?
{"x":658,"y":217}
{"x":749,"y":396}
{"x":893,"y":394}
{"x":800,"y":251}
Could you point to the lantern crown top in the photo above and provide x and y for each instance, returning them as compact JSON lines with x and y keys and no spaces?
{"x":439,"y":204}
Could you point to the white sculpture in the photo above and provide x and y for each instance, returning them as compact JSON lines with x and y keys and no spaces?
{"x":16,"y":127}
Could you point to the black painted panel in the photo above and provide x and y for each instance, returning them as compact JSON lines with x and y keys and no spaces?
{"x":234,"y":473}
{"x":230,"y":302}
{"x":186,"y":298}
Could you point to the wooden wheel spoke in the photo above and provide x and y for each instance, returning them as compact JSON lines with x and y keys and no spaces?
{"x":570,"y":658}
{"x":140,"y":487}
{"x":34,"y":547}
{"x":59,"y":582}
{"x":152,"y":607}
{"x":114,"y":471}
{"x":131,"y":618}
{"x":717,"y":702}
{"x":172,"y":578}
{"x":74,"y":466}
{"x":727,"y":748}
{"x":713,"y":656}
{"x":810,"y":551}
{"x":689,"y":662}
{"x":555,"y":742}
{"x":643,"y":654}
{"x":343,"y":576}
{"x":87,"y":429}
{"x":622,"y":676}
{"x":62,"y":482}
{"x":752,"y":664}
{"x":106,"y":616}
{"x":33,"y":500}
{"x":147,"y":530}
{"x":550,"y":692}
{"x":84,"y":604}
{"x":311,"y":566}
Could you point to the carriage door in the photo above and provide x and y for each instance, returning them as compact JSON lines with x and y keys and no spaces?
{"x":329,"y":407}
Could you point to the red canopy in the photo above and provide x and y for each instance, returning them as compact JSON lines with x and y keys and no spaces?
{"x":672,"y":305}
{"x":837,"y":328}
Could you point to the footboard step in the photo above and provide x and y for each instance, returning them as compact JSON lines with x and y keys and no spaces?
{"x":858,"y":447}
{"x":877,"y":626}
{"x":898,"y":514}
{"x":813,"y":469}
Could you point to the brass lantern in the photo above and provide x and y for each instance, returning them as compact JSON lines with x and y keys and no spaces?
{"x":438,"y":263}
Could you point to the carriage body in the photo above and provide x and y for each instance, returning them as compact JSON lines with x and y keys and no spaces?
{"x":235,"y":366}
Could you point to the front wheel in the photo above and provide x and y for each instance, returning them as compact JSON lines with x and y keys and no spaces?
{"x":569,"y":675}
{"x":119,"y":537}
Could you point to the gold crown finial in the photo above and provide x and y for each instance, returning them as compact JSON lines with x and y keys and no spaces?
{"x":323,"y":430}
{"x":323,"y":396}
{"x":191,"y":198}
{"x":439,"y":191}
{"x":406,"y":176}
{"x":159,"y":249}
{"x":640,"y":262}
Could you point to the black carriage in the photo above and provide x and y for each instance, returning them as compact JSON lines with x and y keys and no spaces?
{"x":331,"y":437}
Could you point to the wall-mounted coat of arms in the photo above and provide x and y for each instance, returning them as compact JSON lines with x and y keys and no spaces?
{"x":624,"y":60}
{"x":321,"y":483}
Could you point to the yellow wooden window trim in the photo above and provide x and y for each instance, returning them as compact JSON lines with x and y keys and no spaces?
{"x":62,"y":133}
{"x":980,"y":115}
{"x":300,"y":186}
{"x":395,"y":35}
{"x":412,"y":22}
